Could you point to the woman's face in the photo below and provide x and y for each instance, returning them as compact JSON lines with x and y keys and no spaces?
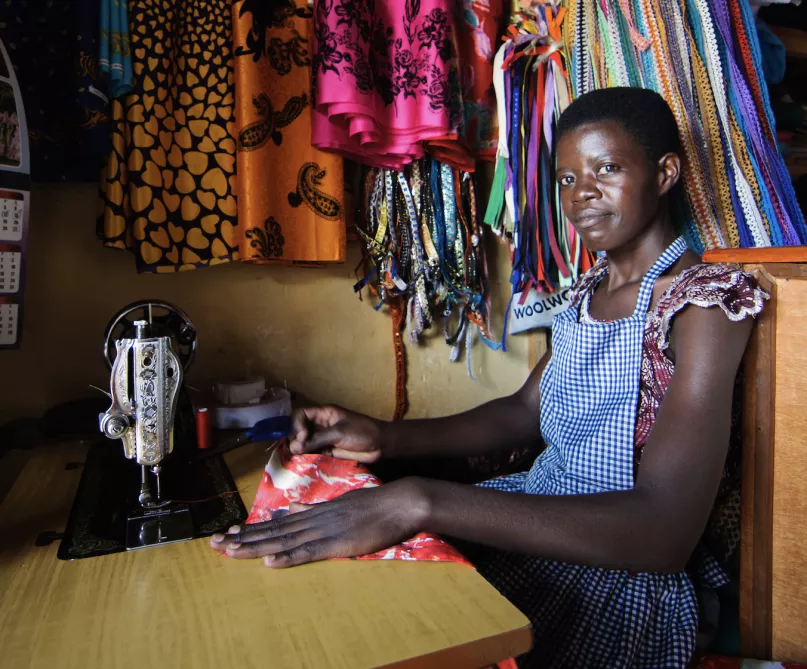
{"x":609,"y":189}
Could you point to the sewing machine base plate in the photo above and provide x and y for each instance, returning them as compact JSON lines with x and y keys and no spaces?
{"x":169,"y":525}
{"x":107,"y":518}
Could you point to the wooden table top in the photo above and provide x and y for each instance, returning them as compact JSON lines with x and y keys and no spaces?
{"x":183,"y":605}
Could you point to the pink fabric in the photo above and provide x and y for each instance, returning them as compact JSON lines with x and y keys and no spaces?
{"x":383,"y":79}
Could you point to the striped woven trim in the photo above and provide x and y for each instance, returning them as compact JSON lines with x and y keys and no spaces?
{"x":694,"y":183}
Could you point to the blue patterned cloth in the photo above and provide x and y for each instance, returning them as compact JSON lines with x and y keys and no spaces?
{"x":114,"y":52}
{"x":584,"y":617}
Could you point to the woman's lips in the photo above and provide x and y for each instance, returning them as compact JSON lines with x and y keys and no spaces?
{"x":589,"y":219}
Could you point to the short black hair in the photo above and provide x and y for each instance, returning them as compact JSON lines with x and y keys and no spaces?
{"x":643,"y":113}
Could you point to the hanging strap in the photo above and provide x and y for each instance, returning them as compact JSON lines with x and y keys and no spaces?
{"x":667,"y":259}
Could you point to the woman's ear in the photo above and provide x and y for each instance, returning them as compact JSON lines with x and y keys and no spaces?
{"x":669,"y":171}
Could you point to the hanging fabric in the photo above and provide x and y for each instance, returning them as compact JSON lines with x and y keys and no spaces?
{"x":704,"y":57}
{"x":114,"y":56}
{"x":290,"y":204}
{"x":425,"y":258}
{"x":385,"y":79}
{"x":394,"y":79}
{"x":54,"y":50}
{"x":478,"y":27}
{"x":478,"y":40}
{"x":169,"y":185}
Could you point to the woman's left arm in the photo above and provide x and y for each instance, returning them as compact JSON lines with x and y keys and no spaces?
{"x":652,"y":527}
{"x":656,"y":525}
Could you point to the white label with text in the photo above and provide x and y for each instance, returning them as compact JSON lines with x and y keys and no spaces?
{"x":537,"y":311}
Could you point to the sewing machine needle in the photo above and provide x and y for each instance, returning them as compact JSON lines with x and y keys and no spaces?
{"x":157,"y":469}
{"x":145,"y":493}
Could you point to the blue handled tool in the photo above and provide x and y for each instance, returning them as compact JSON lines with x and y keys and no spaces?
{"x":268,"y":429}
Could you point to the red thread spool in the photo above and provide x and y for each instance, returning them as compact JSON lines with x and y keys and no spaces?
{"x":204,"y":429}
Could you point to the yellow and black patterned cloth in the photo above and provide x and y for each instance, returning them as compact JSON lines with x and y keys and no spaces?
{"x":169,"y":185}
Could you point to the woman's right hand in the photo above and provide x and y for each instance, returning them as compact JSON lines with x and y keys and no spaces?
{"x":342,"y":433}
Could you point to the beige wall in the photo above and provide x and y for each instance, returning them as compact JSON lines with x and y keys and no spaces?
{"x":301,"y":326}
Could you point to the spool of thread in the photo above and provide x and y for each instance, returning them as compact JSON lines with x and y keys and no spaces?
{"x":204,"y":428}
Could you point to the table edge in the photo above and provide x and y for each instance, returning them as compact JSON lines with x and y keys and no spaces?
{"x":457,"y":656}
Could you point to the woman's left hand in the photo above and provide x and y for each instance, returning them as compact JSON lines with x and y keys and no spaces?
{"x":357,"y":523}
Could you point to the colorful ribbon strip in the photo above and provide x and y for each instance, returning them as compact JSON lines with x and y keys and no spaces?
{"x":424,"y":251}
{"x":703,"y":56}
{"x":532,"y":88}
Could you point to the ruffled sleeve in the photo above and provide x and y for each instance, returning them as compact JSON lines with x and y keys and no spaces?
{"x":729,"y":288}
{"x":588,"y":280}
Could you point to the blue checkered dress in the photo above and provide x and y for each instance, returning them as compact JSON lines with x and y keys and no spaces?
{"x":585,"y":617}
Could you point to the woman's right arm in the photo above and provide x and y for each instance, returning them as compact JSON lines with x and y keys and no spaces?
{"x":508,"y":422}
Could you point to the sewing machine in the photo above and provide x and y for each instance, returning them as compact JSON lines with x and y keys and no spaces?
{"x":156,"y":489}
{"x":144,"y":387}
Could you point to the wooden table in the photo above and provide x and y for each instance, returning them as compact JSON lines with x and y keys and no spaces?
{"x":182,"y":605}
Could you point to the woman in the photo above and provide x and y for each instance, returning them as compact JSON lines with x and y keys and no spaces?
{"x":633,"y":402}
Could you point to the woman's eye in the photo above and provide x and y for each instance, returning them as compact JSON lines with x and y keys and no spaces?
{"x":566,"y":180}
{"x":608,"y":169}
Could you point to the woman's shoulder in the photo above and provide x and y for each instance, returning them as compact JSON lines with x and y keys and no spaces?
{"x":706,"y":285}
{"x":587,"y":280}
{"x":736,"y":292}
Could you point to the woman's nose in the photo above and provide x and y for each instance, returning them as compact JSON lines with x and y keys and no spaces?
{"x":585,"y":190}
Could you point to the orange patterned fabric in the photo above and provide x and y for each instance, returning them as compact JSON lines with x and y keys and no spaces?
{"x":168,"y":189}
{"x":290,"y":207}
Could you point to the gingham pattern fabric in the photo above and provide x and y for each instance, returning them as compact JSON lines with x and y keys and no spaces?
{"x":589,"y":395}
{"x":588,"y":618}
{"x":584,"y":617}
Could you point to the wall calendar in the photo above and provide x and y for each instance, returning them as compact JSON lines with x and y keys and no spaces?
{"x":15,"y":191}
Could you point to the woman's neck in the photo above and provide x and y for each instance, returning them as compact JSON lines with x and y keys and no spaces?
{"x":629,"y":263}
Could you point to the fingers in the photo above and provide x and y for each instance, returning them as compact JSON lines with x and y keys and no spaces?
{"x":282,"y":537}
{"x":366,"y":457}
{"x":300,"y":517}
{"x":311,"y":551}
{"x":299,"y":428}
{"x":318,"y":440}
{"x":321,"y":417}
{"x":283,"y":543}
{"x":325,"y":418}
{"x":250,"y":536}
{"x":220,"y":541}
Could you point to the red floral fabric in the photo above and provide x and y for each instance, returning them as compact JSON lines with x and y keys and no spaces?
{"x":312,"y":479}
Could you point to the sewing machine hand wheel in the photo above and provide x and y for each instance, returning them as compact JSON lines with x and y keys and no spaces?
{"x":165,"y":320}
